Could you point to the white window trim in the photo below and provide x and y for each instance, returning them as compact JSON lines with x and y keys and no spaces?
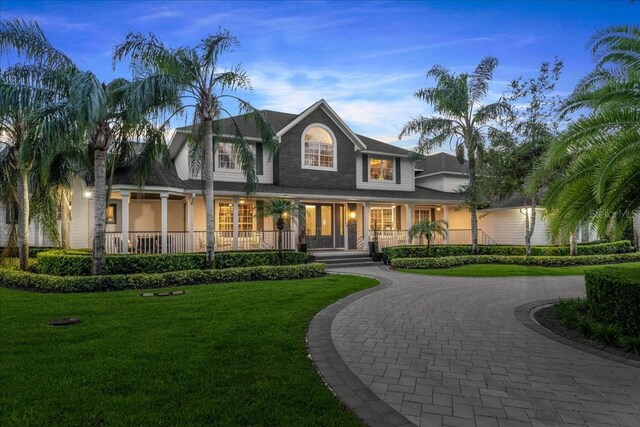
{"x":382,"y":208}
{"x":393,"y":169}
{"x":217,"y":158}
{"x":335,"y":149}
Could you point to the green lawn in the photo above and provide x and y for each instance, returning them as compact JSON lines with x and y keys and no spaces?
{"x":500,"y":270}
{"x":232,"y":354}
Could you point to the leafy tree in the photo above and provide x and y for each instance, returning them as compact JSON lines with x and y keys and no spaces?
{"x":460,"y":118}
{"x":596,"y":161}
{"x":517,"y":146}
{"x":282,"y":211}
{"x":429,"y":229}
{"x":191,"y":78}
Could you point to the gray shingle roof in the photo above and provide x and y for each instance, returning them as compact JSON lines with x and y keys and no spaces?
{"x":159,"y":176}
{"x":441,"y":162}
{"x":420,"y":193}
{"x":383,"y":147}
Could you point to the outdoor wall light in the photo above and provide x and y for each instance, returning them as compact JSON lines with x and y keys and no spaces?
{"x":87,"y":194}
{"x":438,"y":208}
{"x":352,"y":214}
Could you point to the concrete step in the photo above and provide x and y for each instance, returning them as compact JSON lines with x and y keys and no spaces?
{"x":320,"y":257}
{"x":338,"y":260}
{"x":352,"y":264}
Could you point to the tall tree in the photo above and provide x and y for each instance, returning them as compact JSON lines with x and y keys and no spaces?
{"x":460,"y":118}
{"x":191,"y":78}
{"x":596,"y":161}
{"x":517,"y":146}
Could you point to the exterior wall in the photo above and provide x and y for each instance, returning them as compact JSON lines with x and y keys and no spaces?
{"x":146,"y":215}
{"x":459,"y":218}
{"x":406,"y":176}
{"x":507,"y":227}
{"x":442,"y":182}
{"x":290,"y":172}
{"x":182,"y":163}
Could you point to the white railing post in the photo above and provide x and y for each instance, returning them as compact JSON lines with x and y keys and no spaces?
{"x":409,"y":221}
{"x":164,"y":220}
{"x":124,"y":238}
{"x":190,"y":201}
{"x":235,"y":223}
{"x":445,"y":213}
{"x":365,"y":224}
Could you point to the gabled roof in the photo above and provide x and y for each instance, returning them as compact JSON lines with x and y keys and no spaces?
{"x":441,"y":163}
{"x":282,"y":122}
{"x":160,"y":175}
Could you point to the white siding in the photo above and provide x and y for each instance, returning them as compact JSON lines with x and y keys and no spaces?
{"x":182,"y":163}
{"x":81,"y":217}
{"x":4,"y":227}
{"x":442,"y":182}
{"x":406,"y":177}
{"x":451,"y":184}
{"x":507,"y":227}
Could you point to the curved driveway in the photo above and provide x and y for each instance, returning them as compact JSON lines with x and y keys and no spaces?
{"x":445,"y":350}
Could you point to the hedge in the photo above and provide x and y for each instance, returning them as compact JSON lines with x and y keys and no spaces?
{"x":12,"y":278}
{"x":78,"y":262}
{"x":33,"y":250}
{"x":420,"y":251}
{"x":613,"y":296}
{"x":545,"y":261}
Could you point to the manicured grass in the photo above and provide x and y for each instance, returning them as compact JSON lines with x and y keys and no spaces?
{"x":499,"y":270}
{"x":231,"y":354}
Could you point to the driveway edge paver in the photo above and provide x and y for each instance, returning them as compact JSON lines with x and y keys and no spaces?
{"x":524,"y":313}
{"x":337,"y":375}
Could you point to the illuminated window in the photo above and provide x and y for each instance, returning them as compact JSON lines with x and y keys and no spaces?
{"x":227,"y":157}
{"x":420,"y":214}
{"x":380,"y":169}
{"x":112,"y":214}
{"x":319,"y":148}
{"x":245,"y":217}
{"x":383,"y":217}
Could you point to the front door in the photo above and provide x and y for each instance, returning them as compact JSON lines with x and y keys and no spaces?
{"x":319,"y":224}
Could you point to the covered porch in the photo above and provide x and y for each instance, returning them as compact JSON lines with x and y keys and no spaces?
{"x":175,"y":222}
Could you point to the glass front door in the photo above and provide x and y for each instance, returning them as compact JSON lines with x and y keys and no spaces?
{"x":319,"y":224}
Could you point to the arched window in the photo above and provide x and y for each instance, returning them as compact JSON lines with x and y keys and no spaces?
{"x":319,"y":148}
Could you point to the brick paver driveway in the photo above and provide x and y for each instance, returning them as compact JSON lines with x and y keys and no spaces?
{"x":445,"y":350}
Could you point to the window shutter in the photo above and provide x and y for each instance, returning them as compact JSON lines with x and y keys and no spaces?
{"x":259,"y":165}
{"x":365,"y":168}
{"x":398,"y":217}
{"x":398,"y":171}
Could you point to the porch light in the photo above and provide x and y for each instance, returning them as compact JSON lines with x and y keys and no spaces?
{"x":352,"y":214}
{"x":87,"y":194}
{"x":242,"y":201}
{"x":438,"y":208}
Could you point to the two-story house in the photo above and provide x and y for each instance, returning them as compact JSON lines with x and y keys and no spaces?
{"x":349,"y":184}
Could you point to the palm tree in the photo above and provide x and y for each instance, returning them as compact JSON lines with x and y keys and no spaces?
{"x":460,"y":118}
{"x":106,"y":116}
{"x":429,"y":229}
{"x":282,"y":210}
{"x":190,"y":77}
{"x":596,"y":161}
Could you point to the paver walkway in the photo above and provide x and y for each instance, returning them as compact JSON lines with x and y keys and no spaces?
{"x":450,"y":351}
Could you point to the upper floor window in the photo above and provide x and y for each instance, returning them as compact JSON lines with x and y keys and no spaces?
{"x":226,"y":157}
{"x":319,"y":148}
{"x":380,"y":169}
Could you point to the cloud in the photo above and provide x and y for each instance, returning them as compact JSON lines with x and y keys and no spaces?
{"x":447,"y":43}
{"x":163,"y":13}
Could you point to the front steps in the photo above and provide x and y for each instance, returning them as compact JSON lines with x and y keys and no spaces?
{"x":341,"y":259}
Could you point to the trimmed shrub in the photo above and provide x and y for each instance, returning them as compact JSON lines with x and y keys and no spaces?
{"x":11,"y":278}
{"x":33,"y":250}
{"x":545,"y":261}
{"x":392,"y":252}
{"x":613,"y":297}
{"x":78,"y":262}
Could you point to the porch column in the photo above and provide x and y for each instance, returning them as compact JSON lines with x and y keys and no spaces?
{"x":409,"y":220}
{"x":445,"y":213}
{"x":163,"y":220}
{"x":295,"y":227}
{"x":345,"y":226}
{"x":190,"y":220}
{"x":235,"y":223}
{"x":365,"y":224}
{"x":124,"y":240}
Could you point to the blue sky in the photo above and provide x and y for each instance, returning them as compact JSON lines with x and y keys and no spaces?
{"x":365,"y":58}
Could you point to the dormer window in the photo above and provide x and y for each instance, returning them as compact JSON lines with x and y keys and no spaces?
{"x":380,"y":169}
{"x":319,"y":148}
{"x":226,"y":157}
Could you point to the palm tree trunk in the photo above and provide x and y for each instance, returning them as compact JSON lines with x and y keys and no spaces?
{"x":23,"y":219}
{"x":208,"y":192}
{"x":573,"y":244}
{"x":99,"y":212}
{"x":530,"y":223}
{"x":636,"y":231}
{"x":280,"y":245}
{"x":428,"y":247}
{"x":473,"y":209}
{"x":65,"y":219}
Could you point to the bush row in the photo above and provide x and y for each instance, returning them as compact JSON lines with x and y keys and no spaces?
{"x":78,"y":262}
{"x":12,"y":278}
{"x":546,"y":261}
{"x":33,"y":250}
{"x":574,"y":313}
{"x":392,"y":252}
{"x":613,"y":297}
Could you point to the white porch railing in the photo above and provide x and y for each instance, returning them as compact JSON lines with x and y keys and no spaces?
{"x":150,"y":242}
{"x":454,"y":237}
